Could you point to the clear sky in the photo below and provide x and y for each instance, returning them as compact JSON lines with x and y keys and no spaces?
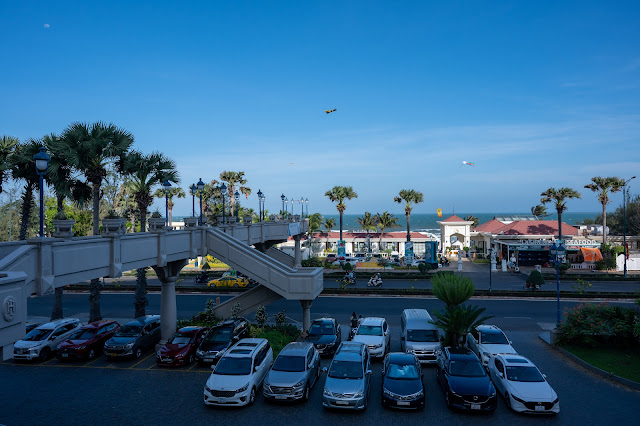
{"x":535,"y":93}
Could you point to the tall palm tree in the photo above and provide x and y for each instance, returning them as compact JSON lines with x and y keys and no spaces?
{"x":329,"y":224}
{"x":604,"y":186}
{"x":559,"y":198}
{"x":23,"y":168}
{"x":385,"y":220}
{"x":90,"y":149}
{"x":410,"y":197}
{"x":367,"y":223}
{"x":539,"y":211}
{"x":339,"y":194}
{"x":173,"y":192}
{"x":473,"y":219}
{"x":7,"y":147}
{"x":234,"y":180}
{"x":315,"y":224}
{"x":145,"y":172}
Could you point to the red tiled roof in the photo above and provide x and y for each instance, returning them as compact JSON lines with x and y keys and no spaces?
{"x":535,"y":227}
{"x":489,"y":226}
{"x":454,"y":218}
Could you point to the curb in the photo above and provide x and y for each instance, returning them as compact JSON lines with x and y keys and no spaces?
{"x":609,"y":376}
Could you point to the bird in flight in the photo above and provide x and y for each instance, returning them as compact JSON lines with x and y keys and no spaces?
{"x":328,"y":111}
{"x":467,"y":163}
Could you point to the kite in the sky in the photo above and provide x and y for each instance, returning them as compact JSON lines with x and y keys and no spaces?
{"x":291,"y":164}
{"x":330,"y":110}
{"x":467,"y":163}
{"x":439,"y":212}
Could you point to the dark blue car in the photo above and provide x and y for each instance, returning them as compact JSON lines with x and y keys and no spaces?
{"x":325,"y":335}
{"x":402,"y":385}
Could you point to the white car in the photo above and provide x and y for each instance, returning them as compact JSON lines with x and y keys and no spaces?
{"x":374,"y":332}
{"x":42,"y":341}
{"x":523,"y":386}
{"x":488,"y":340}
{"x":239,"y":373}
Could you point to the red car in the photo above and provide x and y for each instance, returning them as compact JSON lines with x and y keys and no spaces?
{"x":88,"y":341}
{"x":181,"y":348}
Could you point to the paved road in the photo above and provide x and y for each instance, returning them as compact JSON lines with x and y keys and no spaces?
{"x":126,"y":393}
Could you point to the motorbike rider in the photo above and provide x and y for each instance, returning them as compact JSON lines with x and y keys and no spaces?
{"x":354,"y":320}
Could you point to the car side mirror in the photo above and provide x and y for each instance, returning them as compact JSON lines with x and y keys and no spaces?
{"x":235,"y":338}
{"x":545,"y":376}
{"x":510,"y":342}
{"x":256,"y":368}
{"x":213,"y":367}
{"x":324,"y":369}
{"x":402,"y":338}
{"x":52,"y":338}
{"x":368,"y":372}
{"x":501,"y":375}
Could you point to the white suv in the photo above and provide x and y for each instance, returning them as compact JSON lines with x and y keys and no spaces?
{"x":488,"y":340}
{"x":43,"y":340}
{"x":374,"y":332}
{"x":239,"y":373}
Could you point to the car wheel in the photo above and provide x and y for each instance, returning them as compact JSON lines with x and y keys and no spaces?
{"x":138,"y":352}
{"x":252,"y":396}
{"x":91,"y":354}
{"x":190,"y":360}
{"x":44,"y":354}
{"x":507,"y":400}
{"x":307,"y":393}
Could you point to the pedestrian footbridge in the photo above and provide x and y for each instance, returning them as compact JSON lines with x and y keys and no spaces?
{"x":39,"y":265}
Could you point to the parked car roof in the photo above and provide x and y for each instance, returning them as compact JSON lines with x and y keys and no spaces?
{"x":372,"y":321}
{"x":296,"y":348}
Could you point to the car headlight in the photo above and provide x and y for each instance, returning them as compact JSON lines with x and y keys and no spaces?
{"x":555,"y":401}
{"x":128,"y":345}
{"x":199,"y":352}
{"x":359,"y":394}
{"x":158,"y":354}
{"x":379,"y":345}
{"x":81,"y":347}
{"x":386,"y":391}
{"x":181,"y":355}
{"x":521,"y":401}
{"x":486,"y":354}
{"x":207,"y":388}
{"x":244,"y":388}
{"x":326,"y":392}
{"x":299,"y":384}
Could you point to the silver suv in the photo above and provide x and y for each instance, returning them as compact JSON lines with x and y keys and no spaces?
{"x":294,"y":373}
{"x":348,"y":378}
{"x":43,"y":340}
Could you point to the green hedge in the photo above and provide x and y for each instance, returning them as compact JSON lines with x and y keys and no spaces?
{"x":593,"y":325}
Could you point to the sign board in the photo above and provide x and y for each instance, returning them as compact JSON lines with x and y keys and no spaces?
{"x":341,"y":250}
{"x":408,"y":252}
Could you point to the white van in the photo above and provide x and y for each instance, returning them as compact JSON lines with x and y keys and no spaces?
{"x":419,"y":336}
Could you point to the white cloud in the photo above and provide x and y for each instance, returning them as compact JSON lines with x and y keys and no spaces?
{"x":47,"y":26}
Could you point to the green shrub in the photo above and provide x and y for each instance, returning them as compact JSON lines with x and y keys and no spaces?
{"x":424,"y":267}
{"x":278,"y":337}
{"x":205,"y":318}
{"x":347,"y":266}
{"x":535,"y":278}
{"x":593,"y":325}
{"x":312,"y":262}
{"x":281,"y":318}
{"x":261,"y":315}
{"x":606,"y":264}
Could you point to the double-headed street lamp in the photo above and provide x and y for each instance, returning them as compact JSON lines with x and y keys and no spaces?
{"x":285,"y":207}
{"x":284,"y":200}
{"x":624,"y":221}
{"x":260,"y":204}
{"x":223,"y":191}
{"x":306,"y":202}
{"x":200,"y":188}
{"x":292,"y":207}
{"x":167,"y":188}
{"x":236,"y":196}
{"x":193,"y":190}
{"x":42,"y":163}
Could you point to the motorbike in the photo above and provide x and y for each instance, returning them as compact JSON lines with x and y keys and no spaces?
{"x":352,"y":333}
{"x":374,"y":282}
{"x":531,"y":286}
{"x":203,"y":278}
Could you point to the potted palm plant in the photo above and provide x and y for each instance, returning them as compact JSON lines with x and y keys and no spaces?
{"x":156,"y":221}
{"x":113,"y":224}
{"x":63,"y":225}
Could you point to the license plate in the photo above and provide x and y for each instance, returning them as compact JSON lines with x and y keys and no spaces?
{"x":166,"y":359}
{"x":403,"y":403}
{"x":281,"y":396}
{"x":111,"y":354}
{"x":475,"y":406}
{"x":221,"y":400}
{"x":207,"y":359}
{"x":65,"y":355}
{"x":539,"y":407}
{"x":342,"y":402}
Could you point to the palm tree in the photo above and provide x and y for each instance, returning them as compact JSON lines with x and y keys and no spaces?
{"x":145,"y":172}
{"x":173,"y":192}
{"x":604,"y":186}
{"x":458,"y":321}
{"x":410,"y":197}
{"x":315,"y":224}
{"x":367,"y":223}
{"x":23,"y":168}
{"x":452,"y":289}
{"x":329,"y":224}
{"x":473,"y":219}
{"x":90,"y":149}
{"x":339,"y":194}
{"x":7,"y":147}
{"x":385,"y":220}
{"x":232,"y":180}
{"x":559,"y":197}
{"x":539,"y":211}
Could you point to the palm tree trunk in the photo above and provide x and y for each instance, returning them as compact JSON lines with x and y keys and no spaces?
{"x":56,"y":312}
{"x":27,"y":206}
{"x":604,"y":224}
{"x":60,"y":201}
{"x":170,"y":214}
{"x":141,"y":300}
{"x":95,"y":286}
{"x":340,"y":226}
{"x":559,"y":225}
{"x":143,"y":218}
{"x":408,"y":226}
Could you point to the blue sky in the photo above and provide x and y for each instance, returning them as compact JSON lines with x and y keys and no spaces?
{"x":537,"y":94}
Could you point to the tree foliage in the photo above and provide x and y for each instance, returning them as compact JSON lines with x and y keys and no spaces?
{"x":452,"y":289}
{"x":457,"y":321}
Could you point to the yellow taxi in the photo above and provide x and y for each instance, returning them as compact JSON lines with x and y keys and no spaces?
{"x":229,"y":282}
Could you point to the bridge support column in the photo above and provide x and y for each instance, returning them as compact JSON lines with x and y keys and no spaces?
{"x":297,"y":254}
{"x":306,"y":314}
{"x":168,"y":308}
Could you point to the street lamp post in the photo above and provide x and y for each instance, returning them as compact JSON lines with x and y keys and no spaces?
{"x":167,"y":188}
{"x":42,"y":163}
{"x":283,"y":198}
{"x":260,"y":205}
{"x":292,"y":207}
{"x":302,"y":207}
{"x":285,"y":207}
{"x":306,"y":202}
{"x":490,"y":253}
{"x":262,"y":198}
{"x":624,"y":221}
{"x":193,"y":190}
{"x":200,"y":187}
{"x":223,"y":191}
{"x":236,"y":196}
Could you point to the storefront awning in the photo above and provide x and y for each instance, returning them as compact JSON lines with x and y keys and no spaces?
{"x":591,"y":254}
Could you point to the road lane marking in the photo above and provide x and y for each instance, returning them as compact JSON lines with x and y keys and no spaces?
{"x":517,"y":317}
{"x":143,"y":359}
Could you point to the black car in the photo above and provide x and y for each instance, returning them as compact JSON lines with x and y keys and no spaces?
{"x":402,"y":385}
{"x":325,"y":335}
{"x":133,"y":338}
{"x":220,"y":338}
{"x":464,"y":381}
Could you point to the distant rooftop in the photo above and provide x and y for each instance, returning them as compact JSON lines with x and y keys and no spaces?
{"x":514,"y":218}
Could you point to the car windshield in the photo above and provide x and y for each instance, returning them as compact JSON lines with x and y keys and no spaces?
{"x":524,"y":374}
{"x":129,"y":330}
{"x":221,"y":335}
{"x":321,"y":329}
{"x":370,"y":330}
{"x":233,"y":366}
{"x":422,"y":335}
{"x":289,"y":363}
{"x":83,"y":334}
{"x":180,"y":339}
{"x":466,"y":369}
{"x":37,"y":334}
{"x":402,"y":372}
{"x":494,"y":339}
{"x":346,"y":370}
